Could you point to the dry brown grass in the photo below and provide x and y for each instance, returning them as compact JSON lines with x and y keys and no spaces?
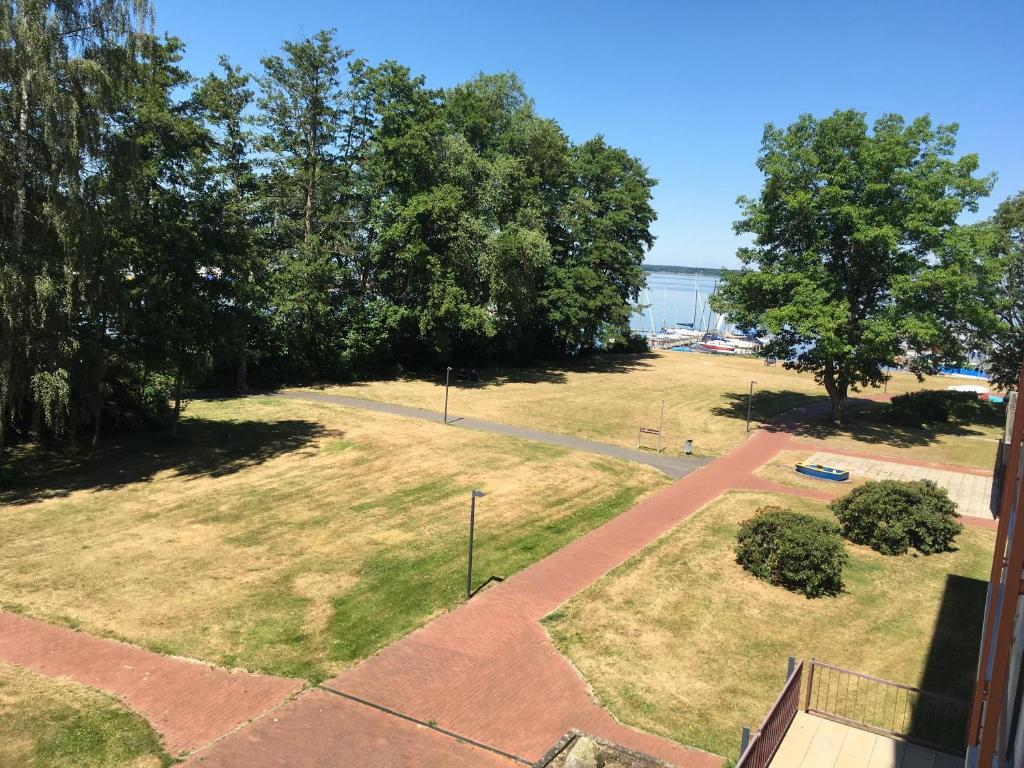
{"x":681,"y":641}
{"x":290,"y":537}
{"x":609,"y":397}
{"x":47,"y":723}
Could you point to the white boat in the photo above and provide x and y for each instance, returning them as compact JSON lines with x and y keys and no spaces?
{"x":718,"y":346}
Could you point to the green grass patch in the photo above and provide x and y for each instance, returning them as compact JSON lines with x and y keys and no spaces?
{"x":401,"y":587}
{"x":47,"y":723}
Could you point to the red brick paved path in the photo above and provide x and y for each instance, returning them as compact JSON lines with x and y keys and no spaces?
{"x":190,"y":704}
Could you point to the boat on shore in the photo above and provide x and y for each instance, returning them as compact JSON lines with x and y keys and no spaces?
{"x":822,"y":472}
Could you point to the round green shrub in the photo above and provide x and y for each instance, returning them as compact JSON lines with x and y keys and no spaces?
{"x":800,"y":552}
{"x":891,"y":516}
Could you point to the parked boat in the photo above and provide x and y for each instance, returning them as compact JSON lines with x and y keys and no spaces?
{"x":719,"y":346}
{"x":822,"y":472}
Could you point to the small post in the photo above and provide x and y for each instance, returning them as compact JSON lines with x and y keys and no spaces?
{"x":885,"y":385}
{"x":472,"y":523}
{"x":744,"y":739}
{"x":750,"y":403}
{"x":688,"y":447}
{"x":810,"y":685}
{"x":447,"y":380}
{"x":661,"y":424}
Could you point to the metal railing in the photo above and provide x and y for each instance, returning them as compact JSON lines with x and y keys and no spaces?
{"x":882,"y":706}
{"x":762,"y":746}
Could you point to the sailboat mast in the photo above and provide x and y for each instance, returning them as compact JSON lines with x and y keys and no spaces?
{"x":696,"y":300}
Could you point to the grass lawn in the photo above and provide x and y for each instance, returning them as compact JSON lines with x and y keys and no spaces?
{"x":681,"y":641}
{"x":288,"y":537}
{"x":967,"y":443}
{"x":46,"y":723}
{"x":607,"y":398}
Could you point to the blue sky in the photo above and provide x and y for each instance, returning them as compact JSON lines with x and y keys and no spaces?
{"x":685,"y":86}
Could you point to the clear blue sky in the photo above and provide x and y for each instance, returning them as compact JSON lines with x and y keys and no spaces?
{"x":686,"y":86}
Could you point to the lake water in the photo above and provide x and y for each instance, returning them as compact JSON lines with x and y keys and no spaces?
{"x":673,"y":299}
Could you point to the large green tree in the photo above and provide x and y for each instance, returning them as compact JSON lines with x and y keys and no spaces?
{"x":845,"y":233}
{"x":62,"y":65}
{"x":997,"y":267}
{"x":606,"y":231}
{"x":238,"y":266}
{"x":1006,"y":345}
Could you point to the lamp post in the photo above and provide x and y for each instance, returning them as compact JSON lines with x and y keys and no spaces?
{"x":447,"y":381}
{"x":472,"y":522}
{"x":750,"y":403}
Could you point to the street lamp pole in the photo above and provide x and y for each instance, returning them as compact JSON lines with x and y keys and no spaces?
{"x":447,"y":381}
{"x":750,"y":403}
{"x":472,"y":523}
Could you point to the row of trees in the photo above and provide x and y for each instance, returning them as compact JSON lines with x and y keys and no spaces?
{"x":858,"y":262}
{"x":323,"y":217}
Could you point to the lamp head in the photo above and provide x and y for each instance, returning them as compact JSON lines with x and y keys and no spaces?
{"x":478,"y":494}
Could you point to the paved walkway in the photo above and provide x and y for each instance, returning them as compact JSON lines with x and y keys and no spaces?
{"x":814,"y":742}
{"x":971,"y":492}
{"x":189,"y":703}
{"x":673,"y":466}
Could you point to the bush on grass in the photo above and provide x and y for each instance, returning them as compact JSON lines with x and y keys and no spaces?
{"x":933,"y":406}
{"x":891,"y":516}
{"x":800,"y":552}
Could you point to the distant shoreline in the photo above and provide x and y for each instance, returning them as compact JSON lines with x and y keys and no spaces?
{"x":677,"y":270}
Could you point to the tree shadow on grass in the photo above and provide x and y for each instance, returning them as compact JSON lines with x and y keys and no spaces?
{"x":765,"y":405}
{"x":555,"y":372}
{"x":866,"y":425}
{"x":202,"y":448}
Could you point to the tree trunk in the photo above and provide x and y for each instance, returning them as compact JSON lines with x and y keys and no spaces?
{"x":36,"y":429}
{"x":837,"y":392}
{"x":838,"y":409}
{"x":97,"y":415}
{"x":177,"y":402}
{"x":21,"y":150}
{"x":311,"y":184}
{"x":6,"y":374}
{"x":242,"y":372}
{"x":101,"y":366}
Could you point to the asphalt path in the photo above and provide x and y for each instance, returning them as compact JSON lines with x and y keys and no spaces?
{"x":673,"y":466}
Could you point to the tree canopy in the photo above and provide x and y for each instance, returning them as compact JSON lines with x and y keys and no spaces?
{"x":1000,"y":333}
{"x":843,"y":274}
{"x":320,"y":219}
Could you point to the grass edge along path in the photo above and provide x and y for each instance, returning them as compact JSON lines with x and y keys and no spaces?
{"x":190,"y":704}
{"x":57,"y":723}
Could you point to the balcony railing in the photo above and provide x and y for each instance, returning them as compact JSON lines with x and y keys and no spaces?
{"x":881,"y":706}
{"x":762,"y":746}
